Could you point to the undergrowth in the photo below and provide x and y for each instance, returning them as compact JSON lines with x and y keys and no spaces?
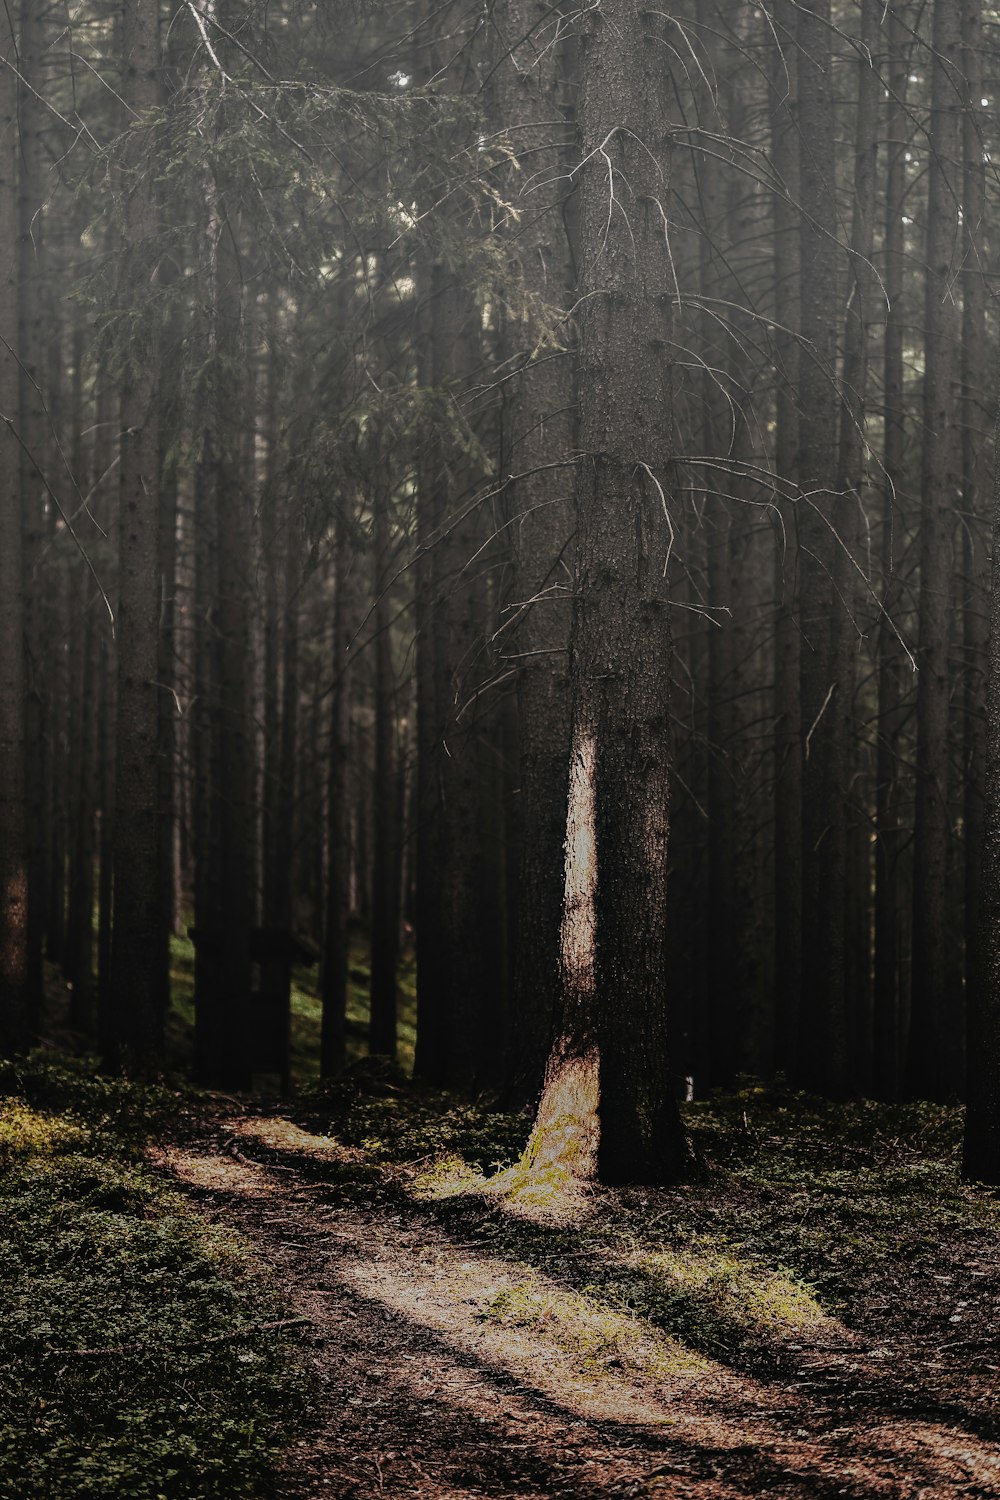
{"x":133,"y":1362}
{"x":806,"y":1205}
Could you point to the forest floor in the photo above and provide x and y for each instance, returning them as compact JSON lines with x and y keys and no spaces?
{"x":818,"y":1318}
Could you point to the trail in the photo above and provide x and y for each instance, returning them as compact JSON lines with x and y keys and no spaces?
{"x":423,"y":1393}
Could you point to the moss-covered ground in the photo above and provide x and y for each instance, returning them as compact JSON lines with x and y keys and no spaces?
{"x":829,"y":1271}
{"x":805,"y":1210}
{"x":135,"y":1361}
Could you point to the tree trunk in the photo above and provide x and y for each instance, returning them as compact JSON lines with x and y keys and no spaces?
{"x":333,"y":1044}
{"x":822,"y":1051}
{"x":981,"y":1154}
{"x":137,"y":957}
{"x":32,"y":341}
{"x":891,"y":656}
{"x":532,"y":104}
{"x":936,"y":1008}
{"x":387,"y":839}
{"x":607,"y":1108}
{"x":15,"y":1026}
{"x":787,"y":666}
{"x":974,"y":501}
{"x":853,"y":487}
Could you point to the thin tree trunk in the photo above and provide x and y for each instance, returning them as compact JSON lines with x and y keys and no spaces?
{"x":974,"y":500}
{"x":822,"y":1052}
{"x":853,"y":486}
{"x":891,"y":657}
{"x":787,"y":666}
{"x":981,"y":1154}
{"x":15,"y":1024}
{"x":137,"y":959}
{"x":936,"y":1006}
{"x":31,"y":343}
{"x":333,"y":1042}
{"x":385,"y":868}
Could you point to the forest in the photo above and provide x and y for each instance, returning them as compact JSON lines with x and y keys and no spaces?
{"x":499,"y":749}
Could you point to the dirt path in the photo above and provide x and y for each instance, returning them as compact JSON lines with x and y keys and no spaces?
{"x":430,"y":1386}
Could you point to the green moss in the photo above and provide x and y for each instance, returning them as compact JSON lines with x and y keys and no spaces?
{"x":306,"y":1007}
{"x":132,"y":1362}
{"x":583,"y":1326}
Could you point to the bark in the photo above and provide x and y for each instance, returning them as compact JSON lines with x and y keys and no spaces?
{"x":225,"y":903}
{"x":606,"y":1107}
{"x":15,"y":1024}
{"x":539,"y":422}
{"x":853,"y":487}
{"x":336,"y":950}
{"x":387,"y":831}
{"x":821,"y":1062}
{"x":430,"y":940}
{"x":232,"y":631}
{"x":891,"y":656}
{"x":737,"y":1003}
{"x":34,"y":503}
{"x":276,"y":541}
{"x":137,"y":982}
{"x":936,"y":1007}
{"x":981,"y":1154}
{"x":787,"y":707}
{"x":974,"y":502}
{"x":170,"y":416}
{"x":84,"y":763}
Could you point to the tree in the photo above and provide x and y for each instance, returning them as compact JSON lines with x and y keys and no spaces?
{"x":533,"y":76}
{"x":137,"y":957}
{"x":821,"y":1062}
{"x":606,"y":1108}
{"x":936,"y":993}
{"x":14,"y":1018}
{"x":981,"y":1152}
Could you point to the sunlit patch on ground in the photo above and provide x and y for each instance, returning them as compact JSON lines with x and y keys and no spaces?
{"x":279,"y":1134}
{"x":730,"y":1290}
{"x":214,"y":1173}
{"x":485,"y":1333}
{"x":25,"y":1131}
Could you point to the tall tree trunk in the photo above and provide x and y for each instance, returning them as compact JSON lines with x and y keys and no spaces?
{"x":606,"y":1107}
{"x":822,"y":1052}
{"x":333,"y":1042}
{"x":459,"y":999}
{"x":137,"y":957}
{"x":981,"y":1154}
{"x":539,"y":421}
{"x":276,"y":542}
{"x":386,"y":852}
{"x":15,"y":1025}
{"x":787,"y":666}
{"x":974,"y":500}
{"x":853,"y":486}
{"x":34,"y":503}
{"x":936,"y":1005}
{"x":891,"y":656}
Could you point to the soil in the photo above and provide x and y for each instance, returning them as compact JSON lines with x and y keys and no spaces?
{"x":420,"y":1393}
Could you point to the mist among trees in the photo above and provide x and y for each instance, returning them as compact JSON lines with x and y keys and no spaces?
{"x":495,"y":555}
{"x":422,"y":428}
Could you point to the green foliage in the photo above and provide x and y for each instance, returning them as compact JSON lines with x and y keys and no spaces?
{"x":179,"y":1396}
{"x":840,"y":1191}
{"x":307,"y":1010}
{"x":373,"y":1106}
